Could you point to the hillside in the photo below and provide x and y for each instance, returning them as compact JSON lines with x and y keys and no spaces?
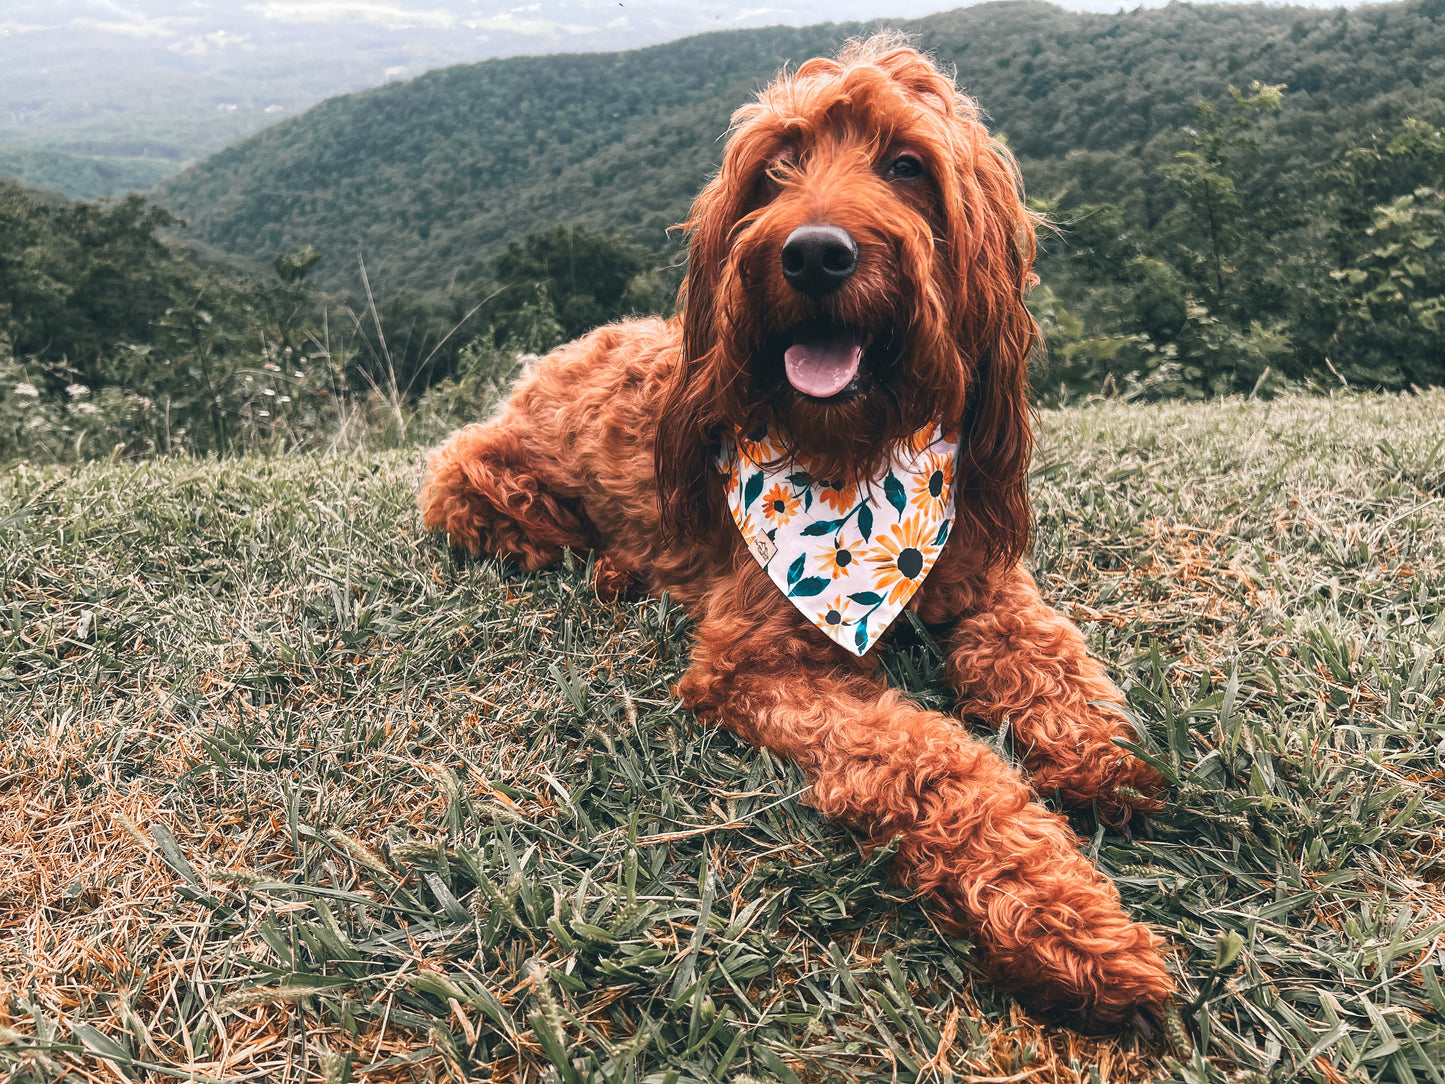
{"x":100,"y":98}
{"x":84,"y":176}
{"x":285,"y":785}
{"x":429,"y":179}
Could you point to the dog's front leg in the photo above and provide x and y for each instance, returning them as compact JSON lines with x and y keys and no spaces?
{"x":996,"y":863}
{"x":1019,"y":661}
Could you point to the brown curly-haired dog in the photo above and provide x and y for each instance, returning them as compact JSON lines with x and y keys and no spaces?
{"x":861,"y":202}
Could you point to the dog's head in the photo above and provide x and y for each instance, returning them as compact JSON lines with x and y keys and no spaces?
{"x":857,"y":272}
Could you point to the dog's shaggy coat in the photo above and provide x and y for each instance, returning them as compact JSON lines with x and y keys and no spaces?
{"x":610,"y":443}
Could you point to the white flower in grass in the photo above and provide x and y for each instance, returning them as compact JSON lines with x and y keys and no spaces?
{"x":85,"y":408}
{"x":27,"y":391}
{"x":75,"y":391}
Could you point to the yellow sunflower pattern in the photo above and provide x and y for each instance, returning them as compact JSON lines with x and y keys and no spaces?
{"x":780,"y":505}
{"x":849,"y":557}
{"x":934,"y":480}
{"x":903,"y":557}
{"x":839,"y":496}
{"x":840,"y":557}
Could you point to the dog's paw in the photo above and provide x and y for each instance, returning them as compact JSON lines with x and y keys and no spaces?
{"x":1098,"y":779}
{"x":615,"y":582}
{"x":1133,"y":792}
{"x":1095,"y":991}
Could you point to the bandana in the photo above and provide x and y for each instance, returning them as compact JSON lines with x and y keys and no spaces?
{"x":848,"y":557}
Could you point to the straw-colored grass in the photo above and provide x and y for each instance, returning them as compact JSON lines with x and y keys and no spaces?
{"x":288,"y":794}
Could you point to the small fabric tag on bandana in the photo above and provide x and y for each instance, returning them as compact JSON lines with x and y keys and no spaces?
{"x":848,"y":556}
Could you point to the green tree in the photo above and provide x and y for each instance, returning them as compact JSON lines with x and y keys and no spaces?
{"x":33,"y":286}
{"x":588,"y":276}
{"x":81,"y":280}
{"x":1391,"y":328}
{"x":1206,"y":177}
{"x":292,"y":299}
{"x":122,"y":278}
{"x":1189,"y":304}
{"x":200,"y":365}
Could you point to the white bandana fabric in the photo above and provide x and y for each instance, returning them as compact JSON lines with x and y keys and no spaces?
{"x":848,"y":557}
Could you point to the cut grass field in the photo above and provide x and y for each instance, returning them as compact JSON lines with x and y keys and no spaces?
{"x":287,"y":793}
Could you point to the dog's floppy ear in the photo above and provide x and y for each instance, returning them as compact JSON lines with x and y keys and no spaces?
{"x":987,"y":254}
{"x":692,"y":410}
{"x":990,"y":238}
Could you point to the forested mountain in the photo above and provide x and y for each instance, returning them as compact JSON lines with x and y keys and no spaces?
{"x":431,"y":178}
{"x":99,"y":97}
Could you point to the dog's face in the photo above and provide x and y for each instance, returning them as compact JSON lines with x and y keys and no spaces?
{"x":831,"y":301}
{"x":856,"y":273}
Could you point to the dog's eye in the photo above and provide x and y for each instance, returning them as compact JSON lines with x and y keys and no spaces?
{"x":904,"y":168}
{"x":779,"y":169}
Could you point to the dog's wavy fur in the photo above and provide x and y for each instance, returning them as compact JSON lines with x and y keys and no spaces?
{"x":609,"y":443}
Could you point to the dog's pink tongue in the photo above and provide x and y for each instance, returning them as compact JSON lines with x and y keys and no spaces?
{"x":825,"y":365}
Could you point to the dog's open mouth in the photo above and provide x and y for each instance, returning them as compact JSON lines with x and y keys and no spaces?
{"x":825,"y":359}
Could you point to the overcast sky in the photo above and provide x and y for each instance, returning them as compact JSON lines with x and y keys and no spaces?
{"x":570,"y":18}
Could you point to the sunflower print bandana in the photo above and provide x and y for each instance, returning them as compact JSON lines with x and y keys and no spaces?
{"x":848,"y":556}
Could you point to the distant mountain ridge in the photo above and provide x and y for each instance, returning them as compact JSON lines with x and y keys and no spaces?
{"x":440,"y":170}
{"x":98,"y":97}
{"x":431,"y":178}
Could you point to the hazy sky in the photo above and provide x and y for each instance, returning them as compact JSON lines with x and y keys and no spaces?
{"x":160,"y":18}
{"x":1107,"y":5}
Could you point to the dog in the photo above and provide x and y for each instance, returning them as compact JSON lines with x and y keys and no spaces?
{"x":835,"y":428}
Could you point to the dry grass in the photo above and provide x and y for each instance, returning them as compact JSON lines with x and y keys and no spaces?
{"x":286,"y":794}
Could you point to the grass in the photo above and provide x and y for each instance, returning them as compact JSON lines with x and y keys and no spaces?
{"x":288,"y":794}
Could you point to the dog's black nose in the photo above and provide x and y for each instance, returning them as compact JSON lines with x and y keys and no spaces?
{"x":818,"y":259}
